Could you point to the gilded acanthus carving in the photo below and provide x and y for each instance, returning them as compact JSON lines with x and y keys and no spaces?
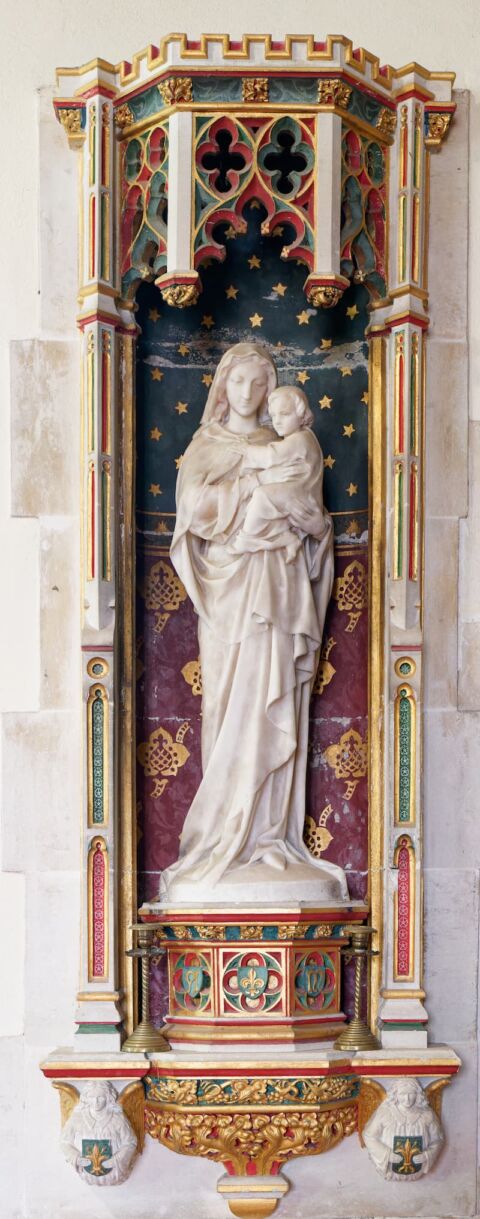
{"x":123,"y":116}
{"x":177,"y":89}
{"x":334,"y":93}
{"x":266,"y":1139}
{"x":255,"y":89}
{"x":324,"y":296}
{"x":180,"y":296}
{"x":438,"y":125}
{"x":386,"y":121}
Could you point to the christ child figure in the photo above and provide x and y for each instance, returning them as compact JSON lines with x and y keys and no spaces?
{"x":282,"y":511}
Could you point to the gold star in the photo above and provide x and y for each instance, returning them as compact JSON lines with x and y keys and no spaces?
{"x":303,"y":318}
{"x":254,"y":262}
{"x":207,"y":320}
{"x":280,"y":289}
{"x":352,"y":489}
{"x":279,"y":344}
{"x":345,"y":371}
{"x":231,"y":293}
{"x":153,"y":315}
{"x":178,"y":461}
{"x":364,"y":398}
{"x":254,"y":203}
{"x":348,"y":429}
{"x":155,"y":434}
{"x":277,"y":231}
{"x":182,"y":408}
{"x":325,"y":403}
{"x":154,"y":489}
{"x":183,"y":350}
{"x":353,"y":529}
{"x":161,"y":527}
{"x":329,"y":462}
{"x":156,"y":374}
{"x":352,"y":312}
{"x":207,"y":378}
{"x":230,"y":232}
{"x":302,"y":377}
{"x":325,"y":344}
{"x":256,"y":319}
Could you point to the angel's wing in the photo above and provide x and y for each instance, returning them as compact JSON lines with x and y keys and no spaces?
{"x":132,"y":1101}
{"x":371,"y":1096}
{"x":69,"y":1096}
{"x":434,"y":1095}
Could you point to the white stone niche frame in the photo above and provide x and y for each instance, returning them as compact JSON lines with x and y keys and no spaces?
{"x":418,"y":111}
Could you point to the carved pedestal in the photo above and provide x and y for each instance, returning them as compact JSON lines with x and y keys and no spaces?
{"x":253,"y":975}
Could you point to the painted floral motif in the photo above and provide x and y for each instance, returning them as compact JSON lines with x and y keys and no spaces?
{"x":252,"y":981}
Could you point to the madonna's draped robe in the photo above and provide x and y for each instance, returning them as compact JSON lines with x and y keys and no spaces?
{"x":260,"y":630}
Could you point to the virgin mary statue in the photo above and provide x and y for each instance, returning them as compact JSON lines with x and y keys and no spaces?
{"x":260,"y":625}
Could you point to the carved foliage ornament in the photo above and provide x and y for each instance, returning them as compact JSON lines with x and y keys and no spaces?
{"x":198,"y":1092}
{"x":334,"y":93}
{"x":242,"y":1139}
{"x":177,"y":89}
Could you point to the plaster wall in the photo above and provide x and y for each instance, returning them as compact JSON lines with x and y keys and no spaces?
{"x":39,"y":610}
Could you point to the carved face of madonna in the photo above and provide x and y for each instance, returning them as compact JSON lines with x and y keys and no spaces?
{"x":246,"y":387}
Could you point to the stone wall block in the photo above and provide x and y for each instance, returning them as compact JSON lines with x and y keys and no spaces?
{"x":451,"y":920}
{"x":448,"y":240}
{"x":469,"y":666}
{"x":450,"y":777}
{"x":45,"y":427}
{"x":42,"y":778}
{"x":58,"y":205}
{"x":447,"y":428}
{"x":441,"y":559}
{"x":52,"y":921}
{"x":60,"y":613}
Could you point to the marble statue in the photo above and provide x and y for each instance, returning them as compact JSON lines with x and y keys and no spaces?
{"x":404,"y":1136}
{"x":253,"y":546}
{"x":97,"y":1139}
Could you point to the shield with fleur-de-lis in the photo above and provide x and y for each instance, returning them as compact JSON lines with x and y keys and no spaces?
{"x":252,"y":980}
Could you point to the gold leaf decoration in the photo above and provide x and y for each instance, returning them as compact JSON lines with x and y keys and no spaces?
{"x":348,"y":758}
{"x":69,"y":1097}
{"x":255,"y":89}
{"x":192,"y":674}
{"x":123,"y":116}
{"x":334,"y":93}
{"x":316,"y":837}
{"x":177,"y":89}
{"x":163,"y":756}
{"x":325,"y":670}
{"x":370,"y":1097}
{"x":164,"y":593}
{"x":243,"y":1138}
{"x":434,"y":1095}
{"x":132,"y":1101}
{"x":351,"y":592}
{"x":386,"y":121}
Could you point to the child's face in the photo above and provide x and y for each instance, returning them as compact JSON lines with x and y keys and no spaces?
{"x":283,"y":415}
